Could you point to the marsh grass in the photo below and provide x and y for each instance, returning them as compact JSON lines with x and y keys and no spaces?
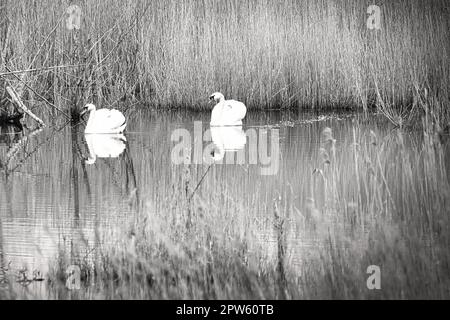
{"x":294,"y":54}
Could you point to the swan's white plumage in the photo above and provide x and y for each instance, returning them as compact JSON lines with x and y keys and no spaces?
{"x":227,"y":139}
{"x":227,"y":112}
{"x":104,"y":146}
{"x":104,"y":120}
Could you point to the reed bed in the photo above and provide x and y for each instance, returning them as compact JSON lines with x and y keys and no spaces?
{"x":269,"y":54}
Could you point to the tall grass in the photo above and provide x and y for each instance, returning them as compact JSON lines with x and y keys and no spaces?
{"x":269,"y":54}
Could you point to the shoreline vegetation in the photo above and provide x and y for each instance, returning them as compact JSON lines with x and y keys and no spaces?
{"x":295,"y":54}
{"x":270,"y":55}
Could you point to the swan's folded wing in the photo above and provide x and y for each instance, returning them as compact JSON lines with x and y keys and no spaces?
{"x":113,"y":118}
{"x":238,"y":109}
{"x":242,"y":110}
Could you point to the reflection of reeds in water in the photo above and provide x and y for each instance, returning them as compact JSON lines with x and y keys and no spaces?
{"x":281,"y":251}
{"x":391,"y":209}
{"x":66,"y":223}
{"x":395,"y":217}
{"x":3,"y":264}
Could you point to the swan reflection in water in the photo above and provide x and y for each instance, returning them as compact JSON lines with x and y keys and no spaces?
{"x":104,"y":146}
{"x":227,"y":139}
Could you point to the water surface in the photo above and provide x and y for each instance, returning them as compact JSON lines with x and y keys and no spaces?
{"x":54,"y":199}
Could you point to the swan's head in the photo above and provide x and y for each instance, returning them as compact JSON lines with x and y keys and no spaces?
{"x":217,"y":97}
{"x":90,"y":160}
{"x":87,"y":108}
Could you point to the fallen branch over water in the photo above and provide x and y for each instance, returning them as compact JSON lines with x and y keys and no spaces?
{"x":16,"y":100}
{"x":39,"y":95}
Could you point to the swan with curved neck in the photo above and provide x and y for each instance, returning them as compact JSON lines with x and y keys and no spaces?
{"x":226,"y":112}
{"x":103,"y":120}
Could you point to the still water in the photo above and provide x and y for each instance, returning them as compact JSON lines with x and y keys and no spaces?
{"x":60,"y":188}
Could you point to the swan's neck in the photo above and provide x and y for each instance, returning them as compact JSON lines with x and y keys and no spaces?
{"x":90,"y":120}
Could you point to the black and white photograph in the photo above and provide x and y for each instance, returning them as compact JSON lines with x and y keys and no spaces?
{"x":224,"y":150}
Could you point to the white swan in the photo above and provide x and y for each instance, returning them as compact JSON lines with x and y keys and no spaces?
{"x":104,"y":146}
{"x":104,"y":120}
{"x":227,"y":139}
{"x":227,"y":112}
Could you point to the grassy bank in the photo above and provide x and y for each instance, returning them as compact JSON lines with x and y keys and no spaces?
{"x":268,"y":54}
